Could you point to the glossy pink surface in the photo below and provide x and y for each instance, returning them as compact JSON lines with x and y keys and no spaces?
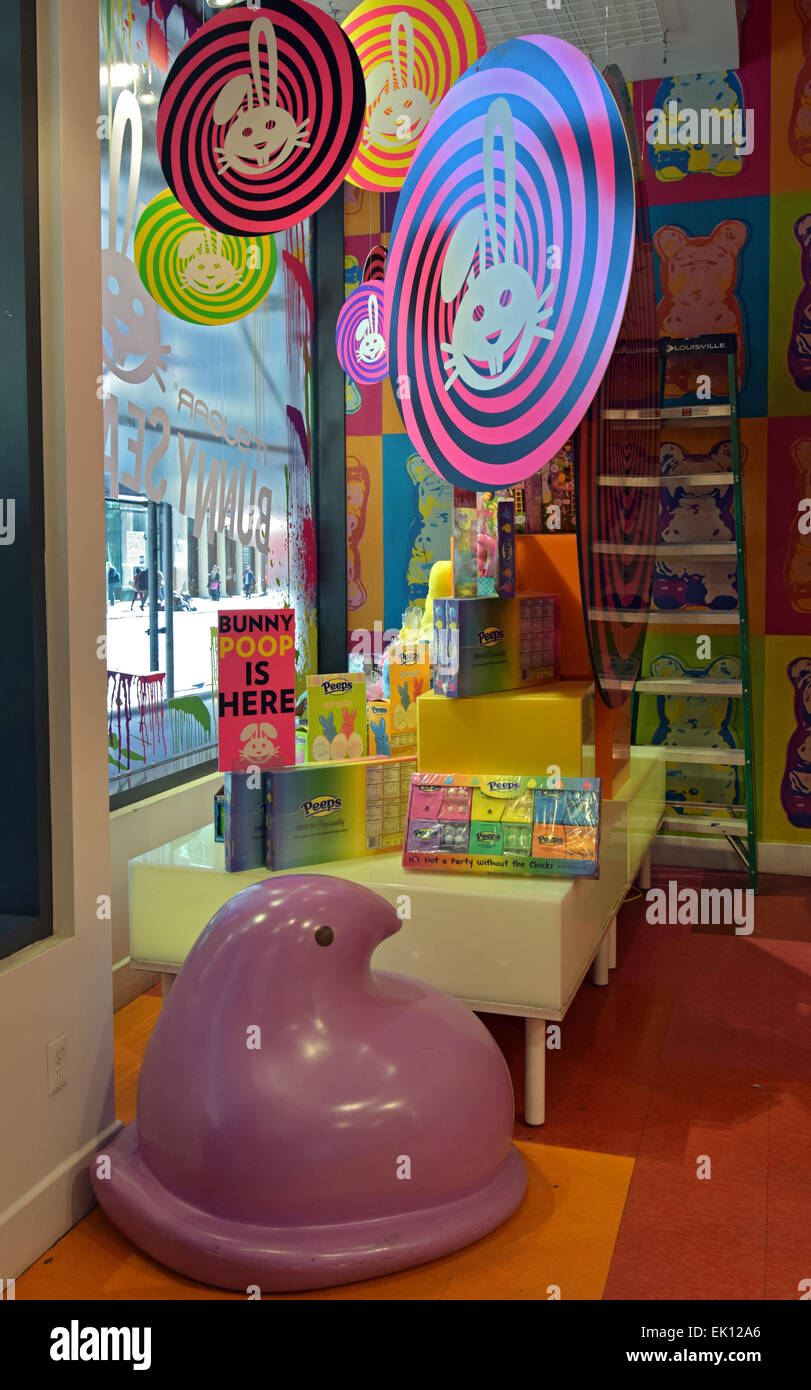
{"x":304,"y":1120}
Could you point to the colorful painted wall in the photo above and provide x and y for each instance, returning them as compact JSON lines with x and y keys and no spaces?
{"x":733,"y":253}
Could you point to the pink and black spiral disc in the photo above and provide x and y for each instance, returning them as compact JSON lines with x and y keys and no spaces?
{"x":359,"y":340}
{"x":251,"y":161}
{"x":504,"y":332}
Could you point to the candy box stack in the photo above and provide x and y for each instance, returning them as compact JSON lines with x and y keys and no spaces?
{"x":336,"y":711}
{"x":318,"y":813}
{"x":393,"y":722}
{"x":497,"y":824}
{"x":487,"y":644}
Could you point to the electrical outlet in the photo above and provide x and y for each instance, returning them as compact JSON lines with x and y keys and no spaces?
{"x":57,"y":1063}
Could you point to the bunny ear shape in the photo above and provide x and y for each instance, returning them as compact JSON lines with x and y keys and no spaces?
{"x":373,"y":313}
{"x":248,"y":731}
{"x":499,"y":116}
{"x":127,"y":112}
{"x":231,"y":98}
{"x":467,"y":238}
{"x":402,"y":24}
{"x":380,"y":77}
{"x":189,"y":245}
{"x":268,"y":730}
{"x":262,"y":28}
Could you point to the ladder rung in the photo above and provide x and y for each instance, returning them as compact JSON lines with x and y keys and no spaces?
{"x":659,"y":617}
{"x":663,"y":551}
{"x":668,"y":480}
{"x":701,"y":413}
{"x":690,"y":685}
{"x":723,"y":757}
{"x":705,"y":825}
{"x":712,"y":617}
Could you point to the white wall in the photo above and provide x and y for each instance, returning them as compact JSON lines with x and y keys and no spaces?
{"x":133,"y":830}
{"x":62,"y":985}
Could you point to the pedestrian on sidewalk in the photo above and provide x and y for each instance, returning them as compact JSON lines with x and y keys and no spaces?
{"x":113,"y":578}
{"x":248,"y":581}
{"x":214,"y":583}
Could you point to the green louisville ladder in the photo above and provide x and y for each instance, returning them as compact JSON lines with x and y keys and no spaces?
{"x":719,"y":826}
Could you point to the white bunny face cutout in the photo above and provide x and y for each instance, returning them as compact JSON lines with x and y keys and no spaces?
{"x":399,"y":110}
{"x":264,"y":129}
{"x":207,"y":269}
{"x":258,"y":745}
{"x":129,"y":315}
{"x":370,"y":341}
{"x":500,"y":310}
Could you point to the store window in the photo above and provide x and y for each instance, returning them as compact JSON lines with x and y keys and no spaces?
{"x":208,"y":431}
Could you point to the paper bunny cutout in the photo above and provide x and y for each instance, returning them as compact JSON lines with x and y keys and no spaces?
{"x":402,"y":691}
{"x":327,"y":722}
{"x":418,"y":683}
{"x":500,"y":309}
{"x":382,"y":745}
{"x":258,"y":741}
{"x":400,"y":111}
{"x":130,"y":315}
{"x":347,"y":721}
{"x":263,"y":129}
{"x":370,"y":342}
{"x":207,"y":269}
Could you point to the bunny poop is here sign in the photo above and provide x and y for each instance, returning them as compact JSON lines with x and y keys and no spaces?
{"x":257,"y":688}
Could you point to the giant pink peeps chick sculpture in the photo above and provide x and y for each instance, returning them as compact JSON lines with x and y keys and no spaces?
{"x":304,"y":1120}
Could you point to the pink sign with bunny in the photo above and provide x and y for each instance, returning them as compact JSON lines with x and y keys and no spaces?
{"x":256,"y":653}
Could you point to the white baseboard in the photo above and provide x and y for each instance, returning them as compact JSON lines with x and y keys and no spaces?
{"x":45,"y":1212}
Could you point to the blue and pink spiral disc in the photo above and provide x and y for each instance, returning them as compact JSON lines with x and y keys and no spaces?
{"x":490,"y":421}
{"x":359,"y":338}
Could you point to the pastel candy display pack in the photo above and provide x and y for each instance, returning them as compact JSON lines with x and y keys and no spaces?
{"x":498,"y":824}
{"x":488,"y":644}
{"x":336,"y":712}
{"x":342,"y":810}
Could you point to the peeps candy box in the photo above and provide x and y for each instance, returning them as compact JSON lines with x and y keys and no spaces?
{"x":342,"y":810}
{"x":487,"y":644}
{"x":509,"y":825}
{"x":244,"y":821}
{"x":393,"y":722}
{"x":336,"y":711}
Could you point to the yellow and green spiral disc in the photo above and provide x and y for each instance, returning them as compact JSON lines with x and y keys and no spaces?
{"x":198,"y":274}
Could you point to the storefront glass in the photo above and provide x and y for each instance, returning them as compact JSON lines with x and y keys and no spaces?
{"x":208,"y":432}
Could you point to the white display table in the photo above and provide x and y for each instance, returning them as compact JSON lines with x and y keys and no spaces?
{"x":501,"y":945}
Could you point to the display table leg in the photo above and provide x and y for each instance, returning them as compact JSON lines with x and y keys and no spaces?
{"x":644,"y":873}
{"x":599,"y":970}
{"x":534,"y":1071}
{"x":612,"y":945}
{"x":167,"y":980}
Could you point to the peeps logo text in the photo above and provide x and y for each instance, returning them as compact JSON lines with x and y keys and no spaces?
{"x":337,"y":687}
{"x":486,"y":837}
{"x":503,"y":785}
{"x":321,"y":805}
{"x":489,"y":636}
{"x":409,"y":658}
